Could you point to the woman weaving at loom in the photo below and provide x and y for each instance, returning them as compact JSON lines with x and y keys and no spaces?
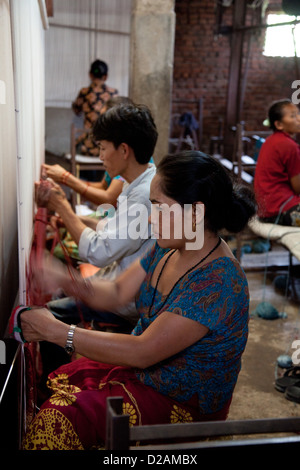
{"x":182,"y":360}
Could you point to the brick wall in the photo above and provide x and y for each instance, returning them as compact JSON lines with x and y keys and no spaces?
{"x":201,"y":66}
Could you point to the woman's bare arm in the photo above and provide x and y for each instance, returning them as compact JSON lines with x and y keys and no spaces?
{"x":99,"y":294}
{"x":98,"y":193}
{"x":167,"y":335}
{"x":295,"y":183}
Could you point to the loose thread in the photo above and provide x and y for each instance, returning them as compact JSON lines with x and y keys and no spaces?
{"x":66,"y":256}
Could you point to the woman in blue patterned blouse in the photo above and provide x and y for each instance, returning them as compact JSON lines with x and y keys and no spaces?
{"x":182,"y":360}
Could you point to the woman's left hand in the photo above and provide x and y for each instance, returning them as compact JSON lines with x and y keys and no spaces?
{"x":37,"y":324}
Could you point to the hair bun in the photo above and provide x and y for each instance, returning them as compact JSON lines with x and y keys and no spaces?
{"x":243,"y":207}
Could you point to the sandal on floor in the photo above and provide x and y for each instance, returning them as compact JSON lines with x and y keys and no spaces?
{"x":290,"y":377}
{"x":293,"y":393}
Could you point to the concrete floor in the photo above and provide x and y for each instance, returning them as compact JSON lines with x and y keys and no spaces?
{"x":255,"y":396}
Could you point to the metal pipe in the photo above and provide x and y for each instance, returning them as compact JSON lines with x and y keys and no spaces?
{"x":9,"y":372}
{"x":84,"y":28}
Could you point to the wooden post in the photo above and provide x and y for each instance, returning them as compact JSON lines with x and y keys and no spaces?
{"x":235,"y":73}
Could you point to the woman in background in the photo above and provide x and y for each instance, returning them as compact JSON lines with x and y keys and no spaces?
{"x":90,"y":102}
{"x":277,"y":173}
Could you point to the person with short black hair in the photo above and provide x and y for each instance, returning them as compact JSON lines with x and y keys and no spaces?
{"x":277,"y":173}
{"x":105,"y":191}
{"x":132,"y":125}
{"x":127,"y":135}
{"x":182,"y":360}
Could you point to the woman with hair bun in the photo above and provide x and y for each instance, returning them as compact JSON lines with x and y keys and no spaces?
{"x":181,"y":361}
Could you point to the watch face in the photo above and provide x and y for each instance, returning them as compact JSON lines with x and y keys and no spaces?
{"x":69,"y":349}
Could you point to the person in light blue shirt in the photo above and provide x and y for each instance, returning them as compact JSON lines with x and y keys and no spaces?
{"x":126,"y":135}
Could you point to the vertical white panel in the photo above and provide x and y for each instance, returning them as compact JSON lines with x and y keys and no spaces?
{"x":8,"y":200}
{"x":28,"y":57}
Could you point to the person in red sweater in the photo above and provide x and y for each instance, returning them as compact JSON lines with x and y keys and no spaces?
{"x":277,"y":174}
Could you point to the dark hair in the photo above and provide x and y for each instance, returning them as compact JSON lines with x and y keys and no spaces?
{"x":115,"y":100}
{"x":193,"y":176}
{"x":275,"y":112}
{"x":131,"y":124}
{"x":99,"y":69}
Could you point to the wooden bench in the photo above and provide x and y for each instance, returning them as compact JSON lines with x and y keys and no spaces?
{"x":287,"y":236}
{"x":197,"y":435}
{"x":242,"y":162}
{"x":80,"y":162}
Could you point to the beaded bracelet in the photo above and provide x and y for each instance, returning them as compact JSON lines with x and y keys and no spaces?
{"x":64,"y":177}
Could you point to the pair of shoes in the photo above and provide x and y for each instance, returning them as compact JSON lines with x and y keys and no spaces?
{"x":289,"y":378}
{"x":289,"y":384}
{"x":292,"y":393}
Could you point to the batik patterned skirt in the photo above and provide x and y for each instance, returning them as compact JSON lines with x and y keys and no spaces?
{"x":73,"y":418}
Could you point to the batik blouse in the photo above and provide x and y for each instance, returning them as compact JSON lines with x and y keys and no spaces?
{"x":215,"y":295}
{"x":90,"y":101}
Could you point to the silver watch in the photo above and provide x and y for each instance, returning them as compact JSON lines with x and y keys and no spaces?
{"x":69,"y":347}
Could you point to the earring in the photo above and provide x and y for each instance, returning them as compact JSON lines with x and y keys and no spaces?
{"x":194,"y":218}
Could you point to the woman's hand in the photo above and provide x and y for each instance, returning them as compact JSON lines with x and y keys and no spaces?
{"x":56,"y":222}
{"x":38,"y":324}
{"x":49,"y":275}
{"x":49,"y":194}
{"x":54,"y":172}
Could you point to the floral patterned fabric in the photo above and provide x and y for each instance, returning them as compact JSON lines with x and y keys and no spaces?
{"x":215,"y":295}
{"x":74,"y":417}
{"x":90,"y":101}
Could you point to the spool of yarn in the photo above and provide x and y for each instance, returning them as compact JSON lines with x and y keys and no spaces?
{"x":281,"y":282}
{"x":260,"y":246}
{"x":284,"y":361}
{"x":247,"y":248}
{"x":267,"y":311}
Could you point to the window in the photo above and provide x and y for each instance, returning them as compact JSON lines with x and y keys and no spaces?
{"x":282,"y":40}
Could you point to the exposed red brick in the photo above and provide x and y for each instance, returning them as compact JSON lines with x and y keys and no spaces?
{"x":201,"y":66}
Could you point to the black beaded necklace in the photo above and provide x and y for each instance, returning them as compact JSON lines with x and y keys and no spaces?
{"x":185,"y":274}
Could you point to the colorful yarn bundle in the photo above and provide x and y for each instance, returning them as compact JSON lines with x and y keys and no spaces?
{"x":267,"y":311}
{"x":43,"y":192}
